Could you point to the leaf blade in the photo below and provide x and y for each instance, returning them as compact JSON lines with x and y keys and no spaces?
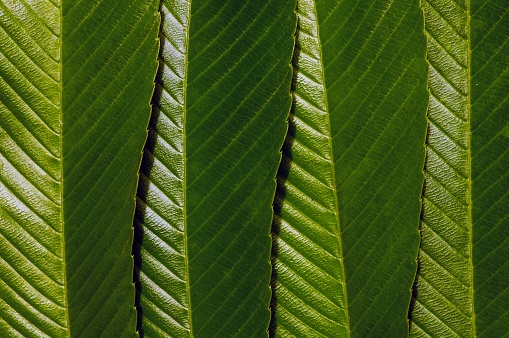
{"x":160,"y":201}
{"x":233,"y":121}
{"x":444,"y":259}
{"x":356,"y":44}
{"x":63,"y":271}
{"x":488,"y":126}
{"x":474,"y":92}
{"x":301,"y":245}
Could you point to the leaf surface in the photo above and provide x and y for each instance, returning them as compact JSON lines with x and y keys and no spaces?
{"x":462,"y":288}
{"x":348,"y":197}
{"x":75,"y":84}
{"x":207,"y":183}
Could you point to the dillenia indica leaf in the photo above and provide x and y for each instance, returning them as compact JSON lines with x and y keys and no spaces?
{"x":76,"y":79}
{"x":208,"y":176}
{"x":462,"y":288}
{"x":348,"y":198}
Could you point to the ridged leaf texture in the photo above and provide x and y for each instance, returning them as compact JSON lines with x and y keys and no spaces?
{"x":348,"y":199}
{"x":462,"y":287}
{"x":76,"y":79}
{"x":208,"y":175}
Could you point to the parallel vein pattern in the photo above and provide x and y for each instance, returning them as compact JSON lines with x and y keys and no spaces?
{"x":375,"y":77}
{"x":489,"y":127}
{"x":375,"y":71}
{"x":160,"y":253}
{"x":75,"y":82}
{"x":207,"y":184}
{"x":32,"y":301}
{"x":237,"y":105}
{"x":462,"y":289}
{"x":309,"y":297}
{"x":442,"y":292}
{"x":365,"y":168}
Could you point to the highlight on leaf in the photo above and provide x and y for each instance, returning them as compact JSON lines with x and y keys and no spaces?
{"x":152,"y":150}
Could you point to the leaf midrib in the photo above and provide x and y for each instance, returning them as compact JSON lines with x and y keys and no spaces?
{"x":62,"y":223}
{"x":469,"y":169}
{"x":333,"y":175}
{"x":184,"y":171}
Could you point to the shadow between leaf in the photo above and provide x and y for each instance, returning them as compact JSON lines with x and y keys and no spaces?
{"x":147,"y":164}
{"x":415,"y":286}
{"x":281,"y":178}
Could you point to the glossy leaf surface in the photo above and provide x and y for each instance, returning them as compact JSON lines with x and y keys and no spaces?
{"x":207,"y":183}
{"x":462,"y":288}
{"x":348,"y":199}
{"x":76,"y":79}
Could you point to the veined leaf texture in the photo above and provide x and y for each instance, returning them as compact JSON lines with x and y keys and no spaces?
{"x":397,"y":135}
{"x":462,"y":287}
{"x":76,"y":78}
{"x":346,"y":225}
{"x":208,"y":176}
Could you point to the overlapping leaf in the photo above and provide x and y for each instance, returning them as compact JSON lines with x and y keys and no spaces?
{"x":350,"y":184}
{"x":75,"y":84}
{"x":462,"y":288}
{"x":207,"y":181}
{"x":443,"y":304}
{"x":75,"y":79}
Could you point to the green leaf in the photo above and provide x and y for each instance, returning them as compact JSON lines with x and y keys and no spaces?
{"x":462,"y":288}
{"x":349,"y":187}
{"x":76,"y":79}
{"x":207,"y":182}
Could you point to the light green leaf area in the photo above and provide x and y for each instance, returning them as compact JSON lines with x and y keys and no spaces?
{"x":349,"y":187}
{"x":442,"y":293}
{"x":75,"y":86}
{"x":208,"y":175}
{"x":462,"y":288}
